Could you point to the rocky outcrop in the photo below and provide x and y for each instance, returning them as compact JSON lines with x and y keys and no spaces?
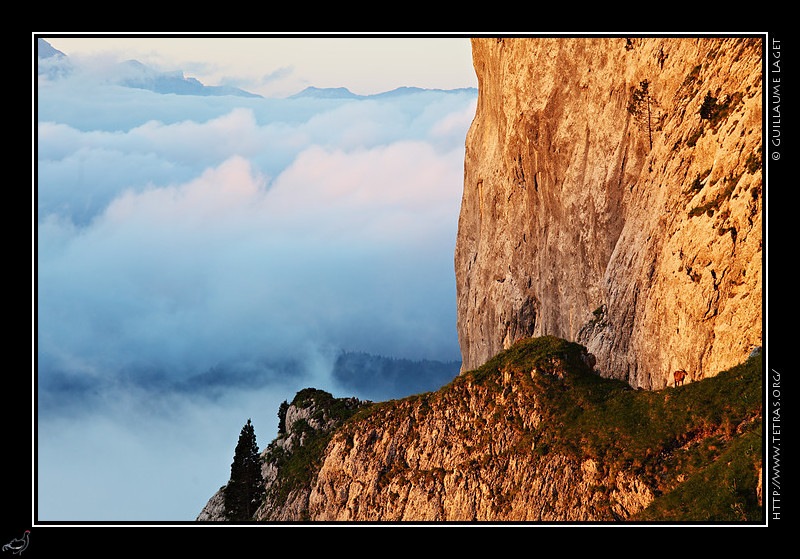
{"x":215,"y":508}
{"x":534,"y":435}
{"x":466,"y":454}
{"x":289,"y":460}
{"x":613,"y":196}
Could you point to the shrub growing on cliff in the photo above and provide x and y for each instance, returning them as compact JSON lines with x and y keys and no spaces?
{"x":245,"y":490}
{"x":715,"y":111}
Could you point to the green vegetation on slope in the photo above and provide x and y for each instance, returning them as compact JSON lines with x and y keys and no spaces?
{"x":296,"y":469}
{"x":697,"y":446}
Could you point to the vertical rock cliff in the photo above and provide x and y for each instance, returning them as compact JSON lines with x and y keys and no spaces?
{"x":613,"y":196}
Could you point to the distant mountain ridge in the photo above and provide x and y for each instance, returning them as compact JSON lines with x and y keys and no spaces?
{"x":373,"y":376}
{"x":382,"y":377}
{"x":54,"y":63}
{"x":46,"y":50}
{"x":51,"y":62}
{"x":344,"y":93}
{"x":142,"y":77}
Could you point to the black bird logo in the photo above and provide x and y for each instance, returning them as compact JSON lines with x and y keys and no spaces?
{"x":18,"y":545}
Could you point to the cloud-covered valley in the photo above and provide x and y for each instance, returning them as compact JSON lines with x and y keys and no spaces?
{"x":186,"y":237}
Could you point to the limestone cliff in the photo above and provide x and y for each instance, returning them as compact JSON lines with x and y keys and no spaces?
{"x":613,"y":196}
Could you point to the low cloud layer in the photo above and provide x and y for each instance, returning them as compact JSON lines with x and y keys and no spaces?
{"x":190,"y":264}
{"x":176,"y":234}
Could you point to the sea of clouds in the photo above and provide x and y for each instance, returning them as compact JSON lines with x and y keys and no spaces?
{"x":178,"y":235}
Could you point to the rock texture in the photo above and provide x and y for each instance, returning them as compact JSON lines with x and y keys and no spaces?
{"x":308,"y":421}
{"x":452,"y":457}
{"x":534,"y":435}
{"x":465,"y":453}
{"x":624,"y":216}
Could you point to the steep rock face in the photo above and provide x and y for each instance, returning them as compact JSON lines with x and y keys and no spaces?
{"x":214,"y":510}
{"x":621,"y":215}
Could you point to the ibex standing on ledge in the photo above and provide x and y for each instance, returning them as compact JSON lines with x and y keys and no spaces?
{"x":678,"y":377}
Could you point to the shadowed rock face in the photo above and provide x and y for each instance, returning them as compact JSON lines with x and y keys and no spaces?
{"x":613,"y":196}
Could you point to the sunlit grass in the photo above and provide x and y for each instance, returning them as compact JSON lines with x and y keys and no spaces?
{"x":697,"y":447}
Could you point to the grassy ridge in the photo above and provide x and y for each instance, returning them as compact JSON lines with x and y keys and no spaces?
{"x":697,"y":446}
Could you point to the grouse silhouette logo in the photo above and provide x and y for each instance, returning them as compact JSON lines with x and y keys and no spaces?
{"x":18,"y":545}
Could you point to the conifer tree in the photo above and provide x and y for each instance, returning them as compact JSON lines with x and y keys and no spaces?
{"x":645,"y":109}
{"x":245,"y":490}
{"x":282,"y":409}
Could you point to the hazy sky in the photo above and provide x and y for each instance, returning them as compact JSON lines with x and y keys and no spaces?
{"x":277,"y":66}
{"x":180,"y":236}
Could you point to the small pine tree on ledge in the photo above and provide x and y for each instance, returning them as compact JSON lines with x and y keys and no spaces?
{"x":645,"y":109}
{"x":245,"y":490}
